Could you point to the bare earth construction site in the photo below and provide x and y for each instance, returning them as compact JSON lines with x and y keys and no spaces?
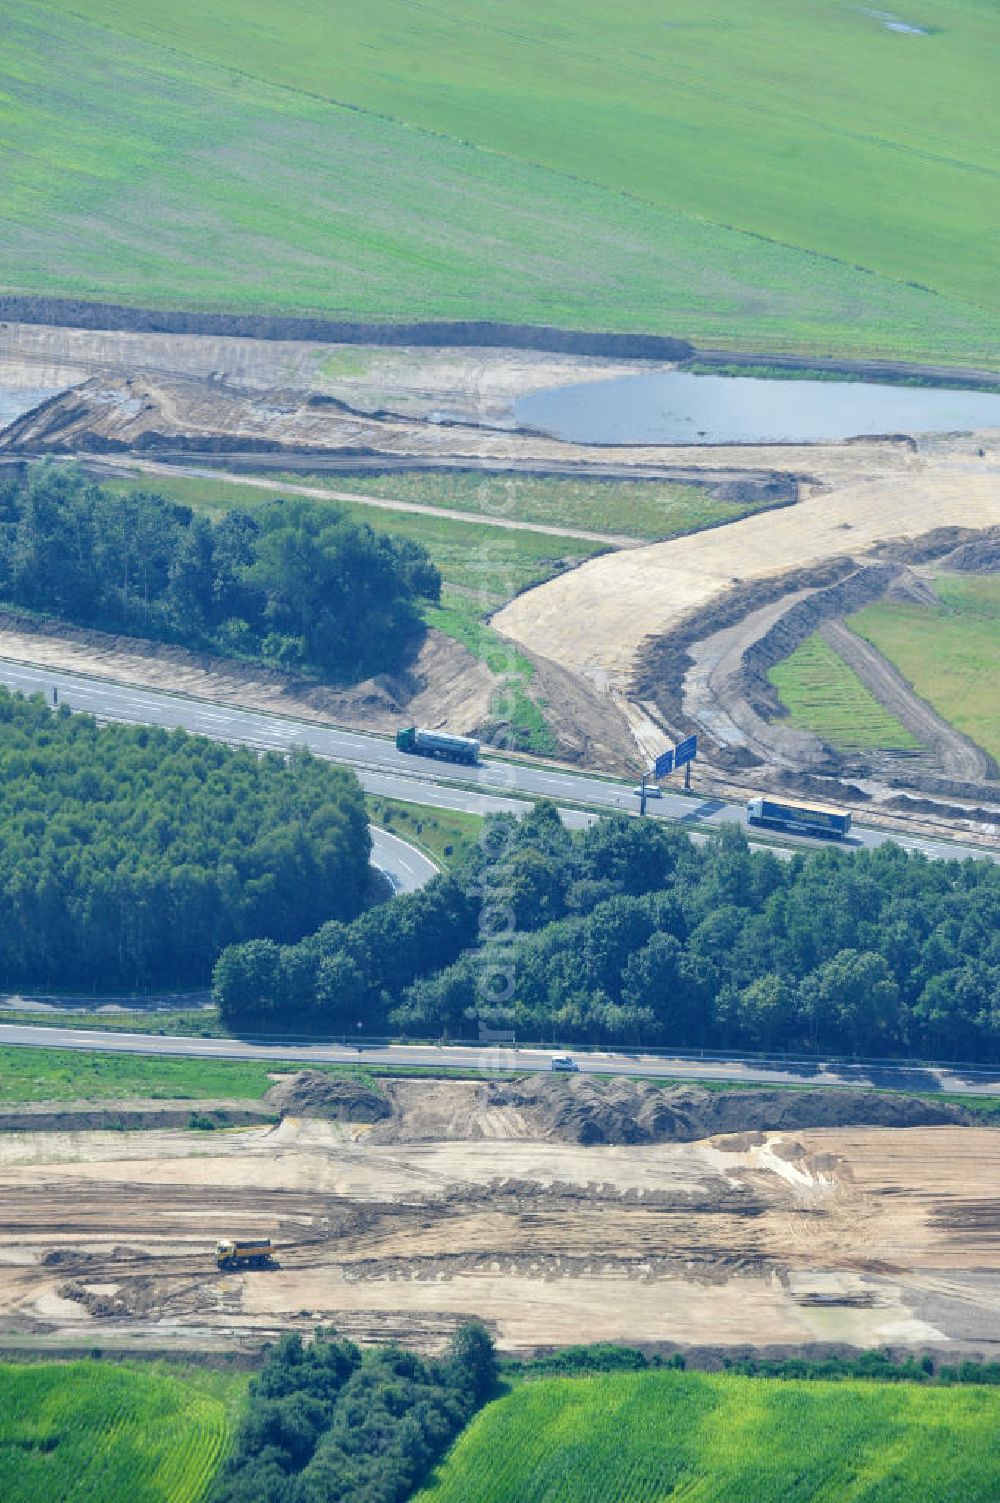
{"x":658,"y":639}
{"x":507,"y":1200}
{"x":623,"y":1215}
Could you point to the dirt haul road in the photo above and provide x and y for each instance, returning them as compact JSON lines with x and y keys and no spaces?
{"x":595,"y":620}
{"x":457,"y":1207}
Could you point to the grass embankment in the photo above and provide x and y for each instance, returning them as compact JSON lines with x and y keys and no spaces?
{"x":639,"y":1438}
{"x":763,"y":371}
{"x":565,"y":165}
{"x":825,"y":696}
{"x":445,"y":835}
{"x":193,"y":1022}
{"x":30,"y":1074}
{"x":102,"y":1433}
{"x":949,"y":653}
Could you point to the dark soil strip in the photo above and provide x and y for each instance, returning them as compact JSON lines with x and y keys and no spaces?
{"x":71,"y":313}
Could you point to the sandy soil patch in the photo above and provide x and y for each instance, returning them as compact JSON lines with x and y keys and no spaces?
{"x":480,"y":384}
{"x":595,"y":620}
{"x":867,"y":1235}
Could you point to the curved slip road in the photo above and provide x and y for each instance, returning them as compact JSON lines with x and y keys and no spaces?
{"x":407,"y":867}
{"x":490,"y":1058}
{"x":493,"y":787}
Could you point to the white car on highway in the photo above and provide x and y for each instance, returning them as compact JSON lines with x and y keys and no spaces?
{"x":651,"y":791}
{"x":564,"y":1062}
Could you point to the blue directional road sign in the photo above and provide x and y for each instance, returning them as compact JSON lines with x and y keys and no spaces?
{"x":663,"y":765}
{"x":685,"y":751}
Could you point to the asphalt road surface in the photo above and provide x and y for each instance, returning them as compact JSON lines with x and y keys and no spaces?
{"x":407,"y":867}
{"x":492,"y":1057}
{"x":492,"y":787}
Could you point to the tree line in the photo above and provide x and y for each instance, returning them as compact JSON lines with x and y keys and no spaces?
{"x":626,"y":932}
{"x":131,"y":856}
{"x":294,"y":583}
{"x":328,"y":1423}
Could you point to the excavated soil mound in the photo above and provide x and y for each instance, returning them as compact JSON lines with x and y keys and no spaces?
{"x":624,"y":1111}
{"x":310,"y":1093}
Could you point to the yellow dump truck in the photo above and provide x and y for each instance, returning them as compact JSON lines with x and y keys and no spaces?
{"x":243,"y":1252}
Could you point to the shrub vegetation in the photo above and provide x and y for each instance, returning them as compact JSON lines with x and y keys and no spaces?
{"x":328,"y":1423}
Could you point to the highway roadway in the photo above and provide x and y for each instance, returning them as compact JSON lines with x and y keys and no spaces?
{"x":406,"y":867}
{"x":491,"y":1058}
{"x":490,"y":788}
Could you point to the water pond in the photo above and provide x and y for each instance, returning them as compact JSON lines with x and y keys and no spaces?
{"x":679,"y":408}
{"x":17,"y":399}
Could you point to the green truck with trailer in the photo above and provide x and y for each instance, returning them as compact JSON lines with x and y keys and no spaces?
{"x":437,"y":744}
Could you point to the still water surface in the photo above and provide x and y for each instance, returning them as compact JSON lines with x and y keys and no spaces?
{"x":17,"y":399}
{"x":679,"y":408}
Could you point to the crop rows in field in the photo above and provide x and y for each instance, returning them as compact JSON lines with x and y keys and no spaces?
{"x":825,"y":696}
{"x":103,"y":1433}
{"x":714,"y":1438}
{"x":641,"y":169}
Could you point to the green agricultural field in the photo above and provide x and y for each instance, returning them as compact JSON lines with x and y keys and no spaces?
{"x":761,"y":174}
{"x":644,"y":1438}
{"x":949,"y":653}
{"x":98,"y":1432}
{"x":825,"y":696}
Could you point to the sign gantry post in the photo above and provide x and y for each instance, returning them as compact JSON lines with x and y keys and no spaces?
{"x":684,"y":754}
{"x":681,"y":755}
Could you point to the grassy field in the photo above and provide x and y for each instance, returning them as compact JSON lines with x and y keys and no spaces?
{"x":445,"y":834}
{"x":633,"y":508}
{"x":494,"y":563}
{"x":654,"y":167}
{"x":29,"y":1074}
{"x":825,"y":696}
{"x":102,"y":1433}
{"x":949,"y":653}
{"x":189,"y":1022}
{"x":641,"y":1438}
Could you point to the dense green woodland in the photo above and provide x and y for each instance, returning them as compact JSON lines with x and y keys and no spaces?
{"x":628,"y":932}
{"x":294,"y":583}
{"x":130,"y":856}
{"x":328,"y":1423}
